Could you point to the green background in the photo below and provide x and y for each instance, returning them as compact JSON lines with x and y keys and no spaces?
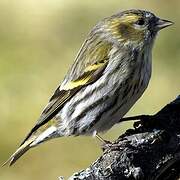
{"x":38,"y":41}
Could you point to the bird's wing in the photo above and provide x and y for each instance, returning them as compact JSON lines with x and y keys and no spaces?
{"x":87,"y":68}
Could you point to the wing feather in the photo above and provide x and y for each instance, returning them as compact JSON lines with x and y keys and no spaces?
{"x":87,"y":68}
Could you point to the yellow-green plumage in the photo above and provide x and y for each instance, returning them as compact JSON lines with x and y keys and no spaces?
{"x":122,"y":28}
{"x":95,"y":59}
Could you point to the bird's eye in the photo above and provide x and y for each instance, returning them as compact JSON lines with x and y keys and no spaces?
{"x":140,"y":22}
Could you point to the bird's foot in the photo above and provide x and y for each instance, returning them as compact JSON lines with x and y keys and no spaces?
{"x":105,"y":144}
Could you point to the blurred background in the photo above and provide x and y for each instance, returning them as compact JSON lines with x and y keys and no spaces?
{"x":38,"y":42}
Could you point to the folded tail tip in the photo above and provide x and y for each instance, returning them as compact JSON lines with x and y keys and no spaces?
{"x":19,"y":152}
{"x":9,"y":162}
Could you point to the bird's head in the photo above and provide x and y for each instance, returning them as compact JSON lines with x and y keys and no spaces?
{"x":134,"y":26}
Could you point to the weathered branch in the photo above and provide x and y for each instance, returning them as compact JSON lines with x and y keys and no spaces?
{"x":150,"y":151}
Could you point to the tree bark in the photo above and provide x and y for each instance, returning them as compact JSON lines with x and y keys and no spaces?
{"x":149,"y":151}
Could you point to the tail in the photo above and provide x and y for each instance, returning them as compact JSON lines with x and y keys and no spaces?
{"x":19,"y":152}
{"x":31,"y":142}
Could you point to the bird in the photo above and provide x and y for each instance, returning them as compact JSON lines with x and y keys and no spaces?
{"x":109,"y":74}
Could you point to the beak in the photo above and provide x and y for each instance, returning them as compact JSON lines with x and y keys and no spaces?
{"x":162,"y":23}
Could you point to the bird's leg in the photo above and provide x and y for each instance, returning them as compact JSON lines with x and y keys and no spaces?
{"x":105,"y":144}
{"x":100,"y":138}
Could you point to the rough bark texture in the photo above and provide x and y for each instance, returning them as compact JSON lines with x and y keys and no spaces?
{"x":150,"y":151}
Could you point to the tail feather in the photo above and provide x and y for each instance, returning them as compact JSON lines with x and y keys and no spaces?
{"x":32,"y":142}
{"x":19,"y":152}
